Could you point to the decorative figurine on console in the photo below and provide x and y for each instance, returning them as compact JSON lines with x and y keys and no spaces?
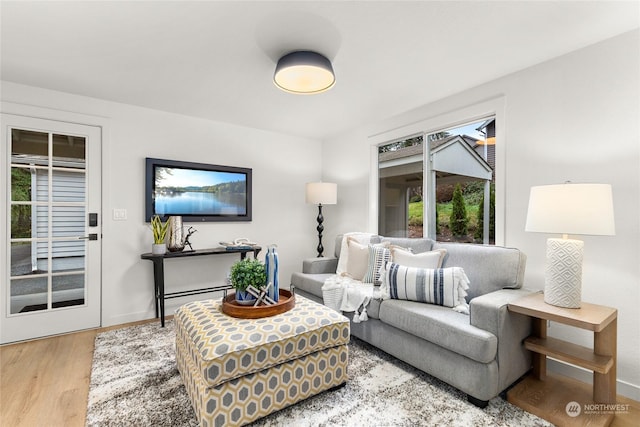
{"x":190,"y":232}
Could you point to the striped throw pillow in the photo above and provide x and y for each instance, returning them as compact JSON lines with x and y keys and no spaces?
{"x":440,"y":286}
{"x":378,"y":257}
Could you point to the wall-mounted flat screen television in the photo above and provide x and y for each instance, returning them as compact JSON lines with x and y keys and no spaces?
{"x":197,"y":191}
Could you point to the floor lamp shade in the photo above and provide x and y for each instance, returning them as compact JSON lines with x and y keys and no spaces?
{"x":568,"y":209}
{"x":321,"y":193}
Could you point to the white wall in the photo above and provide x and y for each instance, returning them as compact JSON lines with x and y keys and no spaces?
{"x":572,"y":118}
{"x":281,"y":166}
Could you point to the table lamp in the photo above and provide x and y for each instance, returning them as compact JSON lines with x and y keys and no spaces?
{"x":568,"y":209}
{"x":321,"y":193}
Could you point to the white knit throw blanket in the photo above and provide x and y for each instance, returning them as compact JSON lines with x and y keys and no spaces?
{"x":343,"y":293}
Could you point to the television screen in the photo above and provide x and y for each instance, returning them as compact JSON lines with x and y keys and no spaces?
{"x":197,"y":192}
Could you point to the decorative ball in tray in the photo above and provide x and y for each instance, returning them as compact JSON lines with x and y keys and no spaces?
{"x":232,"y":308}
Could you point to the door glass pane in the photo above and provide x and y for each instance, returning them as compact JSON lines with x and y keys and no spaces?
{"x":28,"y":294}
{"x":69,"y":148}
{"x":21,"y":262}
{"x":67,"y":255}
{"x":68,"y":186}
{"x":21,"y":221}
{"x":68,"y":221}
{"x":29,"y":147}
{"x":400,"y":166}
{"x":68,"y":290}
{"x":20,"y":185}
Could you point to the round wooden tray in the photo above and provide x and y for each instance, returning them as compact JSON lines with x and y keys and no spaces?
{"x":285,"y":303}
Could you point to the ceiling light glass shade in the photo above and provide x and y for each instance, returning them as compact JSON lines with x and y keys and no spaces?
{"x":304,"y":72}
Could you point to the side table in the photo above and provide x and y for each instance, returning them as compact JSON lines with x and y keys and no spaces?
{"x":545,"y":395}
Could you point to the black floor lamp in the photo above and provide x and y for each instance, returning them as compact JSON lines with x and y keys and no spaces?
{"x":321,"y":193}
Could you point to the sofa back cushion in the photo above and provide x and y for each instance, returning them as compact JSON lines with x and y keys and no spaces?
{"x":489,"y":268}
{"x":416,"y":245}
{"x":338,"y":246}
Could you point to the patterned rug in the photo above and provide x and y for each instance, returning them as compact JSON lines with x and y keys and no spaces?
{"x":135,"y":382}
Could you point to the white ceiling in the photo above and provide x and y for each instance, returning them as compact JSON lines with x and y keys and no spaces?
{"x":216,"y":59}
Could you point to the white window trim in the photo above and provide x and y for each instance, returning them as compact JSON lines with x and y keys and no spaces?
{"x":446,"y":120}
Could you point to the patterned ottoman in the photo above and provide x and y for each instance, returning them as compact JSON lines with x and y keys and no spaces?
{"x":238,"y":370}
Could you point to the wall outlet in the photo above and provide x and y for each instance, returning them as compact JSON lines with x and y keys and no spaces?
{"x":119,"y":214}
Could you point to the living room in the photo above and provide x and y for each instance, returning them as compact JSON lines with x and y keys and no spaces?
{"x":566,"y":114}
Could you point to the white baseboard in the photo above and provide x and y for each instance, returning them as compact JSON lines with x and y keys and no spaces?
{"x":623,"y":388}
{"x":170,"y":307}
{"x":128,"y":318}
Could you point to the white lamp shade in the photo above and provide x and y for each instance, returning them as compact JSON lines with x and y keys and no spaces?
{"x":322,"y":193}
{"x":571,"y":209}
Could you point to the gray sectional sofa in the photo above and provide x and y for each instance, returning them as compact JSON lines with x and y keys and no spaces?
{"x":482,"y":353}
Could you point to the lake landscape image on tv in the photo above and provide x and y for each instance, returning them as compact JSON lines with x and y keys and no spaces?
{"x":199,"y":192}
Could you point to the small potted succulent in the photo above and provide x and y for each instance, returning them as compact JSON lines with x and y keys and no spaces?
{"x":159,"y":230}
{"x":245,"y":273}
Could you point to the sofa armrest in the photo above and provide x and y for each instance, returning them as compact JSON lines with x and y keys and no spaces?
{"x":490,"y":312}
{"x":326,"y":265}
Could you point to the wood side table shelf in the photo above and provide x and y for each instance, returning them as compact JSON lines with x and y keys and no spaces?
{"x":158,"y":273}
{"x":546,"y":396}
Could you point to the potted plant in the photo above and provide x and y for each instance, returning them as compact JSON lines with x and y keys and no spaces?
{"x":244,"y":273}
{"x":159,"y":230}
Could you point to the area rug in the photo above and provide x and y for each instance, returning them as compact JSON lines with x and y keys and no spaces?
{"x":135,"y":382}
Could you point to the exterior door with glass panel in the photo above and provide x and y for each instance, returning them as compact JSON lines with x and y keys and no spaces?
{"x":52,"y":232}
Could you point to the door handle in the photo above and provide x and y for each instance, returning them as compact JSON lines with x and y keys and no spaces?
{"x":93,"y":236}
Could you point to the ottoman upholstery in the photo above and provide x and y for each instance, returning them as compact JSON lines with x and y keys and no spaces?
{"x":238,"y":370}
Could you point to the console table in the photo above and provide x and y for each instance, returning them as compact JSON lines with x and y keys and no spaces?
{"x":547,"y":396}
{"x":158,"y":273}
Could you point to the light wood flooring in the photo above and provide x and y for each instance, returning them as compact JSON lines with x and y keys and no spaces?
{"x":46,"y":382}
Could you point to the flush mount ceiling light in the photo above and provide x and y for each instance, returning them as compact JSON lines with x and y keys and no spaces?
{"x":304,"y":72}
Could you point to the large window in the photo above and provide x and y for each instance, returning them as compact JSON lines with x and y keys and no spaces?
{"x":448,"y":197}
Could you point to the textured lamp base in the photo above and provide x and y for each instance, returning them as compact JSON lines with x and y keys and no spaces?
{"x":563,"y":273}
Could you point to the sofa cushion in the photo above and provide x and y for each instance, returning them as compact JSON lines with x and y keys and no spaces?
{"x":340,"y":245}
{"x":430,"y":259}
{"x":441,"y":326}
{"x":440,"y":286}
{"x":359,"y":259}
{"x":416,"y":245}
{"x":489,"y":268}
{"x":311,"y":283}
{"x":378,"y":257}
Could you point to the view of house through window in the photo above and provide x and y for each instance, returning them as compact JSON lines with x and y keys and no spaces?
{"x":447,"y":199}
{"x":400,"y":166}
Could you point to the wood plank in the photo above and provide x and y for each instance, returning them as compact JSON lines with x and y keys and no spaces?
{"x":539,"y":361}
{"x":570,"y":353}
{"x":605,"y":343}
{"x":591,"y":317}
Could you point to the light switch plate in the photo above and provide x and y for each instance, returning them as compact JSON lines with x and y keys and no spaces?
{"x":119,"y":214}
